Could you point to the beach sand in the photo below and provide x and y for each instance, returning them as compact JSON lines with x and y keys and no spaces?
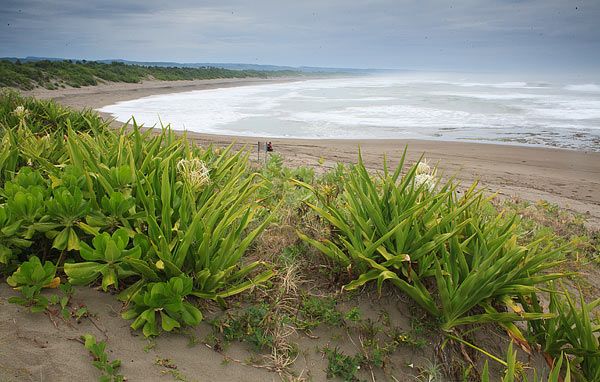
{"x":568,"y":178}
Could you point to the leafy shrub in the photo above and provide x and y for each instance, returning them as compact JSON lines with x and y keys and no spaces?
{"x":163,"y":302}
{"x":29,"y":279}
{"x":109,"y":258}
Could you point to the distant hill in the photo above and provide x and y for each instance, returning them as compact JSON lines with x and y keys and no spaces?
{"x":229,"y":66}
{"x":30,"y":73}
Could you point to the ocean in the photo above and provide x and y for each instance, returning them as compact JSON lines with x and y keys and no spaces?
{"x":411,"y":106}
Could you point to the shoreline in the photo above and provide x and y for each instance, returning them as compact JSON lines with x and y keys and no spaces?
{"x":569,"y":178}
{"x":110,"y":93}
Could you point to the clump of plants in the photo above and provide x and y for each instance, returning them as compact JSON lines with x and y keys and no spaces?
{"x":163,"y":303}
{"x":153,"y":218}
{"x":410,"y":230}
{"x":319,"y":310}
{"x":251,"y":325}
{"x":449,"y":251}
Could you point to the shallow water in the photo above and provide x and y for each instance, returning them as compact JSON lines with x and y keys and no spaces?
{"x":409,"y":106}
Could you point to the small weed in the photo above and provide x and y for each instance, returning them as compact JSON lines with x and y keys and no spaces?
{"x":81,"y":312}
{"x":370,"y":329}
{"x":170,"y":368}
{"x":150,"y":345}
{"x":290,"y":254}
{"x":431,"y":372}
{"x":316,"y":311}
{"x":408,"y":338}
{"x":63,"y":303}
{"x":166,"y":363}
{"x":249,"y":325}
{"x":384,"y":318}
{"x":101,"y":362}
{"x":30,"y":278}
{"x":378,"y":343}
{"x":193,"y":339}
{"x":342,"y":365}
{"x":353,"y":315}
{"x":418,"y":326}
{"x":212,"y":341}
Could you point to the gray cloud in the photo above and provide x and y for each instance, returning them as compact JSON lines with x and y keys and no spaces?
{"x":427,"y":34}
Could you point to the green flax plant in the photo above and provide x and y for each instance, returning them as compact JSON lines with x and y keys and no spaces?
{"x":515,"y":372}
{"x":573,"y":330}
{"x":197,"y":220}
{"x":413,"y":231}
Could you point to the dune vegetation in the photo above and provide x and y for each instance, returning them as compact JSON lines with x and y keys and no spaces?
{"x":170,"y":227}
{"x":60,"y":74}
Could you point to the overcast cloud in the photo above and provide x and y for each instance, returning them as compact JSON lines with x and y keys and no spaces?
{"x":460,"y":35}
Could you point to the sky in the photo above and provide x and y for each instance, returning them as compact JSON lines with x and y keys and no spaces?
{"x":494,"y":35}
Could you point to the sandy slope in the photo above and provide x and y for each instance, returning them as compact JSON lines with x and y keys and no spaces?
{"x":44,"y":347}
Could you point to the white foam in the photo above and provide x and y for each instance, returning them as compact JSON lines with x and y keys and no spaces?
{"x":402,"y":116}
{"x":571,"y":110}
{"x":583,"y":88}
{"x":391,"y":107}
{"x":491,"y":96}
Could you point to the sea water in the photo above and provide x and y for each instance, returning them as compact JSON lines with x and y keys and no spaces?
{"x":407,"y":106}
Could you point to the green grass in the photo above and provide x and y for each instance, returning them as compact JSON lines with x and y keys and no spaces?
{"x":57,"y":74}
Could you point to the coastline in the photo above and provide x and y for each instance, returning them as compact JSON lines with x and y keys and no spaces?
{"x":109,"y":93}
{"x":568,"y":178}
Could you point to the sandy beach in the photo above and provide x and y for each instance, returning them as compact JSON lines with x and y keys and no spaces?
{"x":428,"y":208}
{"x":36,"y":347}
{"x":568,"y":178}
